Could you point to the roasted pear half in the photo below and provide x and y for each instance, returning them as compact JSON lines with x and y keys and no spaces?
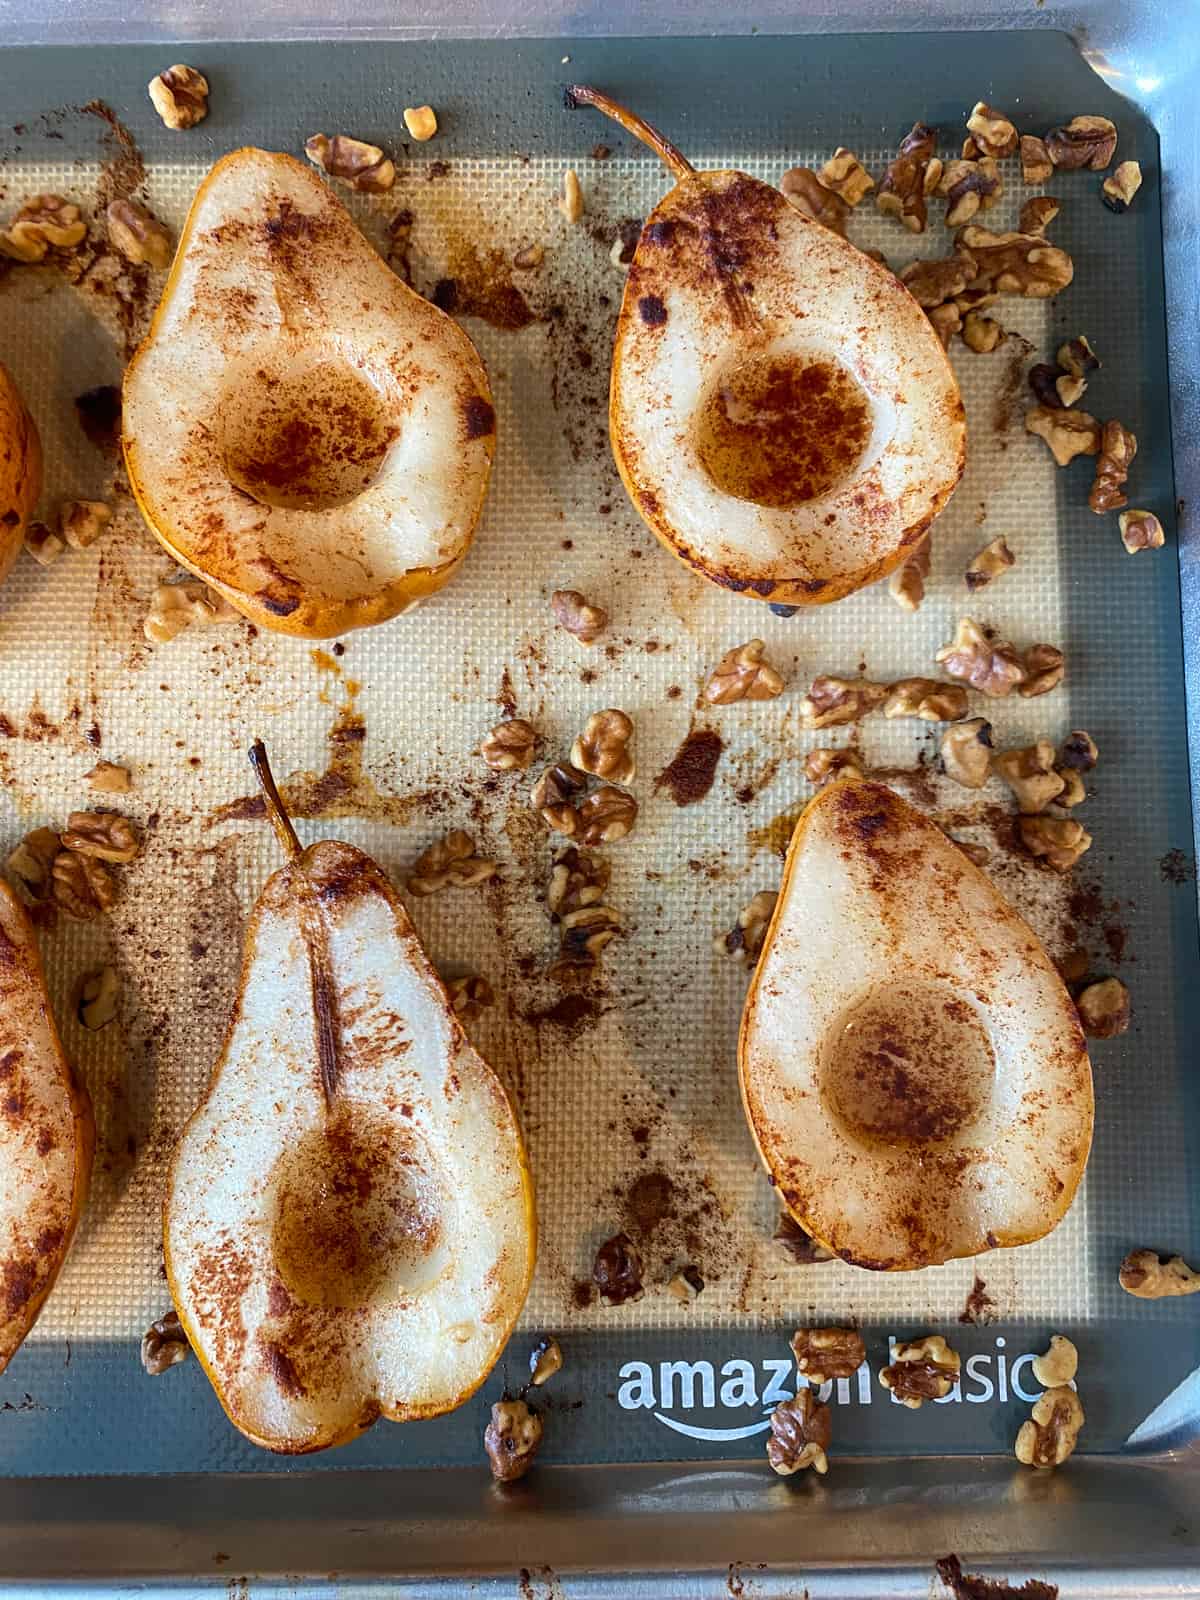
{"x":782,"y":413}
{"x":349,"y":1228}
{"x":301,"y":429}
{"x":20,"y":471}
{"x":912,"y":1068}
{"x":46,"y":1134}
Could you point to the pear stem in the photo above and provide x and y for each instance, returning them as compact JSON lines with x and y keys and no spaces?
{"x":582,"y":94}
{"x":276,"y":810}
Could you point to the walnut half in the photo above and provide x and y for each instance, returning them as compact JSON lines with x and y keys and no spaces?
{"x":602,"y":749}
{"x":45,"y":222}
{"x":102,"y":834}
{"x":830,"y":702}
{"x":1049,"y":1437}
{"x":902,"y":189}
{"x":826,"y":1353}
{"x":1067,"y":434}
{"x":990,"y":665}
{"x":138,"y":234}
{"x":363,"y":166}
{"x":511,"y":1440}
{"x":180,"y":96}
{"x":743,"y":673}
{"x":1149,"y":1276}
{"x":801,"y":1430}
{"x":573,"y":614}
{"x":1141,"y":530}
{"x":920,"y":1370}
{"x":1058,"y":841}
{"x":509,"y":746}
{"x":450,"y":863}
{"x":1030,"y":775}
{"x":927,"y":698}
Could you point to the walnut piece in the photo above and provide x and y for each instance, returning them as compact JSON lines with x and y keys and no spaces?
{"x":1045,"y":666}
{"x":743,"y":673}
{"x":686,"y":1285}
{"x":470,"y":996}
{"x":617,"y":1270}
{"x":801,"y":1430}
{"x":1036,"y":165}
{"x":606,"y":816}
{"x":966,"y":751}
{"x":981,"y":334}
{"x":576,"y":880}
{"x":164,"y":1344}
{"x":602,"y":749}
{"x":570,"y":202}
{"x":745,"y":938}
{"x":450,"y":863}
{"x":44,"y":222}
{"x":902,"y":189}
{"x":509,"y":746}
{"x":1141,"y":530}
{"x":990,"y":562}
{"x":81,"y":885}
{"x":830,"y":702}
{"x":1077,"y":357}
{"x":1059,"y":1365}
{"x":823,"y":1354}
{"x":1084,"y":142}
{"x":102,"y":834}
{"x":81,"y":522}
{"x":1149,"y":1276}
{"x":1117,"y":449}
{"x":529,"y":257}
{"x":180,"y":96}
{"x":920,"y":1370}
{"x":363,"y":166}
{"x":927,"y":698}
{"x":1078,"y":751}
{"x":572,"y":612}
{"x":992,"y":131}
{"x":32,"y":860}
{"x":554,"y":795}
{"x":1118,"y":191}
{"x":1038,"y":213}
{"x":138,"y":234}
{"x":585,"y":933}
{"x":511,"y":1440}
{"x":932,"y":283}
{"x":946,"y":321}
{"x":823,"y":765}
{"x":421,"y":122}
{"x":1016,"y":263}
{"x":1104,"y":1009}
{"x":177,"y":606}
{"x":1048,"y":1438}
{"x":1030,"y":775}
{"x":803,"y":190}
{"x":1066,"y":433}
{"x":1074,"y":790}
{"x":846,"y":176}
{"x":98,"y":999}
{"x":43,"y":544}
{"x":545,"y":1359}
{"x":906,"y":586}
{"x":991,"y":665}
{"x":1058,"y":841}
{"x":969,"y":187}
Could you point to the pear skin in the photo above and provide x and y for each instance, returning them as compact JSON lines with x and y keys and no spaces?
{"x":20,"y":471}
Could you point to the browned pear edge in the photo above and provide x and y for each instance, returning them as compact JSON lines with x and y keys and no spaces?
{"x":286,"y":833}
{"x":21,"y":473}
{"x":324,"y":618}
{"x":81,"y":1111}
{"x":824,"y":798}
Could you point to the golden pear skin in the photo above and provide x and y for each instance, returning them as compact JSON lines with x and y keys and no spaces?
{"x":20,"y":471}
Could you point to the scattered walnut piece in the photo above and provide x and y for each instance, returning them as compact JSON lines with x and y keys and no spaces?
{"x":801,"y":1430}
{"x":470,"y":996}
{"x":966,"y":750}
{"x":363,"y":166}
{"x":800,"y":1245}
{"x":617,"y":1270}
{"x":920,"y":1370}
{"x":802,"y":189}
{"x":1059,"y":841}
{"x":1074,"y":790}
{"x":1016,"y":263}
{"x":177,"y":606}
{"x":1038,"y":213}
{"x":823,"y":765}
{"x":545,"y":1359}
{"x":686,"y":1285}
{"x":43,"y":544}
{"x":1117,"y":449}
{"x":1045,"y":666}
{"x":1104,"y":1009}
{"x":511,"y":1440}
{"x":745,"y":938}
{"x":421,"y":122}
{"x":81,"y":885}
{"x":845,"y":174}
{"x":102,"y":834}
{"x":138,"y":234}
{"x":927,"y":698}
{"x":1077,"y":357}
{"x":1141,"y":530}
{"x":992,"y":131}
{"x":570,"y":202}
{"x":606,"y":816}
{"x":108,"y":777}
{"x":1036,"y":165}
{"x":450,"y":863}
{"x":81,"y":522}
{"x":902,"y":187}
{"x":1084,"y":142}
{"x":1043,"y":380}
{"x":1067,"y":433}
{"x":32,"y":860}
{"x":164,"y":1344}
{"x":585,"y":933}
{"x":1048,"y":1438}
{"x":572,"y":612}
{"x":826,"y":1353}
{"x":946,"y":322}
{"x":1030,"y":775}
{"x":180,"y":96}
{"x":1118,"y":191}
{"x":529,"y":257}
{"x":906,"y":586}
{"x":969,"y":187}
{"x":554,"y":795}
{"x":831,"y":702}
{"x":1149,"y":1276}
{"x":98,"y":1000}
{"x":576,"y":880}
{"x":1078,"y":751}
{"x":45,"y":221}
{"x":509,"y":746}
{"x":932,"y":283}
{"x":991,"y":665}
{"x":1059,"y":1364}
{"x":981,"y":334}
{"x":743,"y":673}
{"x":602,"y":749}
{"x":990,"y":562}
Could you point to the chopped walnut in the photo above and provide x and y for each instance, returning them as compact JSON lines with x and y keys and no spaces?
{"x":421,"y":122}
{"x":833,"y":701}
{"x":109,"y":778}
{"x":927,"y":698}
{"x":509,"y":746}
{"x":989,"y":563}
{"x":164,"y":1344}
{"x":969,"y":187}
{"x":826,"y":1353}
{"x":823,"y":765}
{"x":554,"y":795}
{"x":180,"y":96}
{"x":1141,"y":530}
{"x":1036,"y":165}
{"x":617,"y":1270}
{"x":81,"y":885}
{"x":932,"y":283}
{"x":138,"y":234}
{"x":1058,"y":841}
{"x":845,"y":174}
{"x":606,"y":816}
{"x":1077,"y":357}
{"x":576,"y":880}
{"x":81,"y":522}
{"x":450,"y":863}
{"x":43,"y":544}
{"x":981,"y":334}
{"x":1078,"y":751}
{"x":602,"y":749}
{"x":1016,"y":263}
{"x":967,"y":752}
{"x":743,"y":673}
{"x":102,"y":834}
{"x":1059,"y":1364}
{"x":545,"y":1359}
{"x":31,"y":862}
{"x":992,"y":131}
{"x":585,"y":933}
{"x":1084,"y":142}
{"x":1074,"y":790}
{"x":1048,"y":1438}
{"x":920,"y":1370}
{"x":902,"y":190}
{"x":801,"y":1431}
{"x":45,"y":221}
{"x":745,"y":938}
{"x":1149,"y":1276}
{"x":991,"y":665}
{"x":363,"y":166}
{"x":906,"y":586}
{"x":470,"y":996}
{"x":1117,"y":449}
{"x":946,"y":322}
{"x":686,"y":1285}
{"x":1067,"y":433}
{"x":570,"y":202}
{"x":177,"y":606}
{"x":99,"y":997}
{"x":1118,"y":191}
{"x":1104,"y":1009}
{"x":800,"y":1245}
{"x":1038,"y":213}
{"x":529,"y":257}
{"x":572,"y":612}
{"x":1045,"y":666}
{"x":511,"y":1440}
{"x":802,"y":189}
{"x":1030,"y":775}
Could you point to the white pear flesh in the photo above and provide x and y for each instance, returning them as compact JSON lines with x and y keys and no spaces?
{"x":913,"y":1069}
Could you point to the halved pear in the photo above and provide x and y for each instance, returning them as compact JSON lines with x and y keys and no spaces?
{"x":301,"y":429}
{"x":782,"y":413}
{"x":912,"y":1068}
{"x":46,"y":1134}
{"x":349,"y":1227}
{"x":20,"y":470}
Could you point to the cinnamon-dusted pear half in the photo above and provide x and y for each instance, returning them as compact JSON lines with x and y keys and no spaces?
{"x":302,"y":430}
{"x":349,"y":1228}
{"x":20,"y":470}
{"x":46,"y":1134}
{"x":782,"y":413}
{"x":912,"y":1068}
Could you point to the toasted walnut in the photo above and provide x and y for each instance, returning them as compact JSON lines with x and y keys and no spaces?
{"x":164,"y":1344}
{"x":511,"y":1440}
{"x":576,"y":880}
{"x":927,"y":698}
{"x":1036,"y":165}
{"x":529,"y":257}
{"x":570,"y":202}
{"x":1048,"y":1438}
{"x":1059,"y":1365}
{"x":572,"y":612}
{"x":920,"y":1370}
{"x":826,"y":1353}
{"x":801,"y":1431}
{"x":617,"y":1270}
{"x":98,"y":998}
{"x":800,"y":1246}
{"x":902,"y":188}
{"x":906,"y":586}
{"x":823,"y":765}
{"x":509,"y":746}
{"x":602,"y":749}
{"x":138,"y":234}
{"x":363,"y":166}
{"x":180,"y":96}
{"x":802,"y":189}
{"x":1068,"y":389}
{"x":1117,"y":449}
{"x":1030,"y":775}
{"x":969,"y":187}
{"x":1078,"y":751}
{"x":45,"y":221}
{"x":1045,"y":666}
{"x":81,"y":522}
{"x":102,"y":834}
{"x":81,"y":885}
{"x":946,"y":321}
{"x":1016,"y":263}
{"x":1085,"y":142}
{"x":606,"y":816}
{"x":545,"y":1359}
{"x":991,"y":665}
{"x":1058,"y":841}
{"x":686,"y":1285}
{"x":745,"y":938}
{"x":981,"y":334}
{"x":109,"y":778}
{"x":975,"y":300}
{"x":1043,"y":380}
{"x":585,"y":933}
{"x":992,"y":131}
{"x":1038,"y":213}
{"x":1074,"y":790}
{"x":743,"y":673}
{"x":31,"y":862}
{"x":43,"y":544}
{"x":554,"y":795}
{"x":450,"y":863}
{"x":1077,"y":357}
{"x":1067,"y":433}
{"x":931,"y":283}
{"x":1149,"y":1276}
{"x":421,"y":122}
{"x":967,"y":752}
{"x":1104,"y":1009}
{"x":990,"y":562}
{"x":1118,"y":191}
{"x":845,"y":174}
{"x":1141,"y":530}
{"x":177,"y":606}
{"x":470,"y":996}
{"x":833,"y":701}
